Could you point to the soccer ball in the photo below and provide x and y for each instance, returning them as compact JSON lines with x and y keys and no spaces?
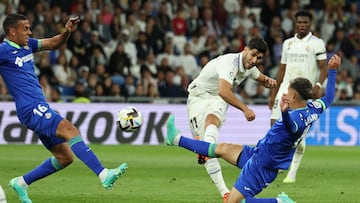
{"x":129,"y":119}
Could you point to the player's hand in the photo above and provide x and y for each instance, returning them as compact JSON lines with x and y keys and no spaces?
{"x":72,"y":23}
{"x":249,"y":114}
{"x":269,"y":82}
{"x":334,"y":62}
{"x":284,"y":103}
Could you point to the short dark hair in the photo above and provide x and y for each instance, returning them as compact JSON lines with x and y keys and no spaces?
{"x":11,"y":21}
{"x":303,"y":13}
{"x":258,"y":43}
{"x":303,"y":86}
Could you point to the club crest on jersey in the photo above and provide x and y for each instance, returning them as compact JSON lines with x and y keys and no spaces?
{"x":27,"y":47}
{"x":48,"y":115}
{"x":307,"y":48}
{"x":289,"y":45}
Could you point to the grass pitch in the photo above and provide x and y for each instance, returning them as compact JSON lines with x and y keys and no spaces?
{"x":163,"y":174}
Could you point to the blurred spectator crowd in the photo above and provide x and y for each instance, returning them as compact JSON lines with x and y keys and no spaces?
{"x":152,"y":49}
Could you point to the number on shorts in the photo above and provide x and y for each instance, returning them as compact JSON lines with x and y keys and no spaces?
{"x":40,"y":110}
{"x":194,"y":123}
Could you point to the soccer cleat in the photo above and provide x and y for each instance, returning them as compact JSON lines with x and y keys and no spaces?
{"x":202,"y":159}
{"x":20,"y":190}
{"x":289,"y":180}
{"x":171,"y":131}
{"x":285,"y":198}
{"x":225,"y":197}
{"x":112,"y":175}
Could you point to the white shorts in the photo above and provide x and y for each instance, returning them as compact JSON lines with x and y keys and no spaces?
{"x":276,"y":111}
{"x":199,"y":105}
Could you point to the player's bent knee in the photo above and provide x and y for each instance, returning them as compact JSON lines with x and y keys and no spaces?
{"x":67,"y":130}
{"x":66,"y":161}
{"x":222,"y":148}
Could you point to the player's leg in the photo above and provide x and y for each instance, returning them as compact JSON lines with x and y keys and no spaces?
{"x":204,"y":113}
{"x":295,"y":163}
{"x":43,"y":128}
{"x":252,"y":180}
{"x":228,"y":152}
{"x":213,"y":166}
{"x":215,"y":116}
{"x":70,"y":133}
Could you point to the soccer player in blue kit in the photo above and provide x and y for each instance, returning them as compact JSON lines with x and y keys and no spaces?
{"x":260,"y":164}
{"x":57,"y":134}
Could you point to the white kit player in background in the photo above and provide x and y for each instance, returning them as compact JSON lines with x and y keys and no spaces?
{"x":212,"y":91}
{"x":303,"y":55}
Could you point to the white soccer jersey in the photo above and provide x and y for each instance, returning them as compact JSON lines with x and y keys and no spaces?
{"x":228,"y":67}
{"x":204,"y":96}
{"x":300,"y":57}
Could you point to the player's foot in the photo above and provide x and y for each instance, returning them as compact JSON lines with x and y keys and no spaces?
{"x":202,"y":159}
{"x":285,"y":198}
{"x":113,"y":174}
{"x":225,"y":197}
{"x":20,"y":190}
{"x":289,"y":180}
{"x":171,"y":131}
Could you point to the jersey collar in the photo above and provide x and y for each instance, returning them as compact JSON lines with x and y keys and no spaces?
{"x":241,"y":66}
{"x":306,"y":38}
{"x":13,"y":44}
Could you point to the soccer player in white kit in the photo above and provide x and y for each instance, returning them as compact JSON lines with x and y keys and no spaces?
{"x":303,"y":55}
{"x":212,"y":91}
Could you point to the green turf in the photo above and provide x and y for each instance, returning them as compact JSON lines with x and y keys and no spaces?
{"x":162,"y":174}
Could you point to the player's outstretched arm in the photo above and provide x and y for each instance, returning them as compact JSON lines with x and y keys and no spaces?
{"x":57,"y":40}
{"x":333,"y":64}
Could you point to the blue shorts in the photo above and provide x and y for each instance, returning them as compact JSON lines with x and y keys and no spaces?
{"x":44,"y":122}
{"x":253,"y":177}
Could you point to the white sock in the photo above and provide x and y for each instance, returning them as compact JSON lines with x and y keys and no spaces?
{"x":177,"y":139}
{"x":211,"y":134}
{"x":102,"y":174}
{"x":214,"y":170}
{"x":298,"y":155}
{"x":21,"y":181}
{"x":212,"y":165}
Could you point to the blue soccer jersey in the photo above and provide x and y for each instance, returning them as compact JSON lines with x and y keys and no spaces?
{"x":276,"y":149}
{"x":260,"y":164}
{"x":17,"y":70}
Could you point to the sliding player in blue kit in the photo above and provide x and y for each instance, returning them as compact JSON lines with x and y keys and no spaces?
{"x":57,"y":134}
{"x":274,"y":152}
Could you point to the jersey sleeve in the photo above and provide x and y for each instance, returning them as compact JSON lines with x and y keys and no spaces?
{"x":226,"y":71}
{"x":283,"y":59}
{"x":320,"y":50}
{"x":289,"y":122}
{"x":34,"y":44}
{"x":2,"y":53}
{"x":254,"y":73}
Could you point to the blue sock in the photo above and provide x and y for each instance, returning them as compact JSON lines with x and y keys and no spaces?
{"x":259,"y":200}
{"x":85,"y":154}
{"x":48,"y":167}
{"x":198,"y":146}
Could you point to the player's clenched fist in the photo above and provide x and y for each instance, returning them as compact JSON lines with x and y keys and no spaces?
{"x":334,"y":62}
